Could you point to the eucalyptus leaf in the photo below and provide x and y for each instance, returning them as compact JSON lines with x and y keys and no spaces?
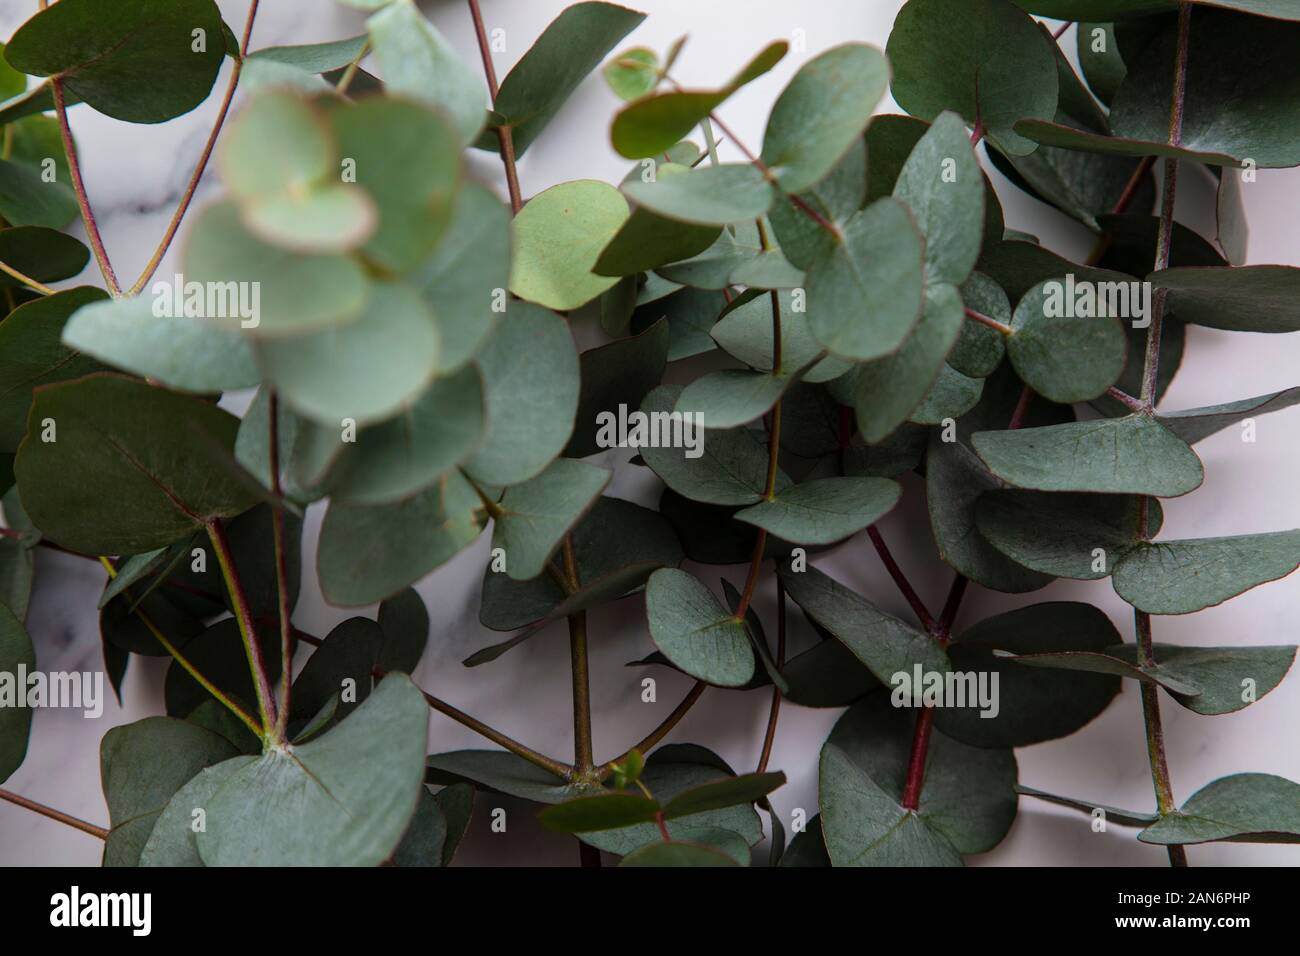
{"x":534,"y":516}
{"x":140,"y":62}
{"x":708,"y":196}
{"x":824,"y":510}
{"x":1246,"y":807}
{"x":337,"y":800}
{"x":143,"y":442}
{"x":695,"y":631}
{"x":558,"y":238}
{"x":16,"y":652}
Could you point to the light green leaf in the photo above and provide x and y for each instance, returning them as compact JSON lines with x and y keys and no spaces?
{"x":343,"y":799}
{"x":943,"y":185}
{"x":419,"y":62}
{"x":633,"y":73}
{"x":890,"y":390}
{"x":559,"y":236}
{"x":652,"y":124}
{"x":186,"y":354}
{"x":366,"y":370}
{"x":295,"y":292}
{"x":399,"y":458}
{"x":463,"y":277}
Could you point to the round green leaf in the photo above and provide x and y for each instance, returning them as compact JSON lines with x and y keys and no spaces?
{"x":1062,"y":356}
{"x":530,"y":376}
{"x":824,"y":510}
{"x":143,"y":452}
{"x":997,"y":68}
{"x":184,"y":353}
{"x":536,"y":515}
{"x":695,"y":631}
{"x":558,"y":237}
{"x":337,"y":800}
{"x":295,"y":292}
{"x":1246,"y":807}
{"x":710,"y":196}
{"x":633,"y":73}
{"x":867,"y":295}
{"x":822,"y":111}
{"x":366,"y":370}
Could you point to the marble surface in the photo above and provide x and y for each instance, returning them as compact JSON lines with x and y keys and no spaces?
{"x":135,"y":175}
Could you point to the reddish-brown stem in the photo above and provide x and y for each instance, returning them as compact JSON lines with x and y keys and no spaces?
{"x":79,"y":187}
{"x":187,"y":196}
{"x":1060,"y":31}
{"x":992,"y":323}
{"x":505,"y":136}
{"x":916,"y":763}
{"x":53,"y":814}
{"x":904,"y":585}
{"x":951,"y":606}
{"x":663,"y":827}
{"x":1022,"y":408}
{"x":1128,"y":400}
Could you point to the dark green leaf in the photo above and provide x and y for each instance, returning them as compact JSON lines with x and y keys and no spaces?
{"x":536,"y":515}
{"x":1130,"y":455}
{"x":1248,"y":299}
{"x":138,"y":62}
{"x":605,"y":811}
{"x":1243,"y":808}
{"x":721,"y":794}
{"x":620,"y":373}
{"x":140,"y":441}
{"x":709,"y":196}
{"x":824,"y":510}
{"x":16,"y":653}
{"x":695,"y":631}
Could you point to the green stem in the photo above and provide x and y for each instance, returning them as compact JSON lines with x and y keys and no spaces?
{"x":79,"y":187}
{"x":346,"y":79}
{"x":247,"y":630}
{"x":25,"y":279}
{"x":183,"y":661}
{"x":281,"y":573}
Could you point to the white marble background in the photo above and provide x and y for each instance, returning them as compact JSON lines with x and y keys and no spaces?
{"x":135,"y":175}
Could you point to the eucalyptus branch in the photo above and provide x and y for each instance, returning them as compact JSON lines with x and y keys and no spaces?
{"x":992,"y":323}
{"x":25,"y":279}
{"x":183,"y":661}
{"x":660,"y":732}
{"x":53,"y":814}
{"x":188,"y":195}
{"x":79,"y":187}
{"x":774,"y":712}
{"x":247,"y":629}
{"x":281,"y":572}
{"x":505,"y":135}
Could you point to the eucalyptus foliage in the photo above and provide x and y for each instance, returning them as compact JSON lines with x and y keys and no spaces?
{"x":864,"y":314}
